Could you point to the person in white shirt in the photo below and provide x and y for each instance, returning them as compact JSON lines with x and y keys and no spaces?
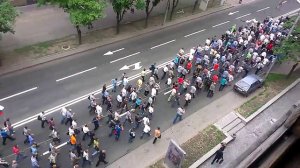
{"x":146,"y":130}
{"x":165,"y":70}
{"x":179,"y":113}
{"x":151,"y":81}
{"x":172,"y":94}
{"x":169,"y":81}
{"x":123,"y":92}
{"x":71,"y":131}
{"x":150,"y":110}
{"x":146,"y":121}
{"x":120,"y":100}
{"x":133,"y":96}
{"x":153,"y":93}
{"x":99,"y":111}
{"x":86,"y":131}
{"x":125,"y":81}
{"x":63,"y":113}
{"x":188,"y":98}
{"x":193,"y":91}
{"x":85,"y":158}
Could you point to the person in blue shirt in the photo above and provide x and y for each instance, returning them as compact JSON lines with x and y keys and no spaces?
{"x":114,"y":84}
{"x":138,"y":102}
{"x":223,"y":83}
{"x":5,"y":136}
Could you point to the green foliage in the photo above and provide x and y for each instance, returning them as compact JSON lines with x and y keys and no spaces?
{"x":8,"y":16}
{"x":82,"y":12}
{"x":289,"y":49}
{"x":122,"y":6}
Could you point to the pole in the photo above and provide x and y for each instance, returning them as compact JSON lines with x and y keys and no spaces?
{"x":166,"y":12}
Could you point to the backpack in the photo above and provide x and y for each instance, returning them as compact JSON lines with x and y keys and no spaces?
{"x":39,"y":117}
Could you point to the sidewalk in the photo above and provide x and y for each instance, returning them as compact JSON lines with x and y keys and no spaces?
{"x":256,"y":131}
{"x":147,"y":154}
{"x":39,"y":24}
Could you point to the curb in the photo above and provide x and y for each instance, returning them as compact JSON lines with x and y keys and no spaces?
{"x":270,"y":102}
{"x":87,"y":47}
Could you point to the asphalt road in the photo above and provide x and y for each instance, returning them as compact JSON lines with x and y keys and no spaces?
{"x":51,"y":93}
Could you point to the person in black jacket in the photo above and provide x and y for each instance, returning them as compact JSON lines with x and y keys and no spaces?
{"x":219,"y":154}
{"x":102,"y":157}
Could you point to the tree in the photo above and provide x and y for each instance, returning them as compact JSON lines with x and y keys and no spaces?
{"x":81,"y":12}
{"x":8,"y":16}
{"x":174,"y":5}
{"x":149,"y":9}
{"x":195,"y":5}
{"x":289,"y":49}
{"x":122,"y":6}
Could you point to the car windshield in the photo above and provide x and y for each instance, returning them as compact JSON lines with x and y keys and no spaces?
{"x":243,"y":85}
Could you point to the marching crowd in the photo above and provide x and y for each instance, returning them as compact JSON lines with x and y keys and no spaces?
{"x":203,"y":69}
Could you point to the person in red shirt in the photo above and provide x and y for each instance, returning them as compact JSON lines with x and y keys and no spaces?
{"x":189,"y":66}
{"x":216,"y":67}
{"x":180,"y":80}
{"x":215,"y":78}
{"x":16,"y":150}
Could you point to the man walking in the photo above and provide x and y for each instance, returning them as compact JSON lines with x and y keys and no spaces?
{"x":16,"y":150}
{"x":219,"y":154}
{"x":180,"y":112}
{"x":146,"y":130}
{"x":157,"y":134}
{"x":5,"y":135}
{"x":43,"y":119}
{"x":102,"y":157}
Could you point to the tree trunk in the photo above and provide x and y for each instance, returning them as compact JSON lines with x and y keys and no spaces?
{"x":147,"y":13}
{"x":195,"y":5}
{"x":118,"y":23}
{"x":146,"y":21}
{"x":292,"y":70}
{"x":79,"y":34}
{"x":174,"y":5}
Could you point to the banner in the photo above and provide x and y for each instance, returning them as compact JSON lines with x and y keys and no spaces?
{"x":175,"y":155}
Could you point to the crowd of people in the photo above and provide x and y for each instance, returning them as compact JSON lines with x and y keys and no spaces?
{"x":197,"y":71}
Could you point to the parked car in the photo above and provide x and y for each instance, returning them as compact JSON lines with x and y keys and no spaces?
{"x":248,"y":84}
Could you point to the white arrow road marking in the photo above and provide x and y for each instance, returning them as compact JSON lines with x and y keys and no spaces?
{"x":163,"y":44}
{"x":221,"y":24}
{"x":17,"y":94}
{"x":251,"y":20}
{"x":136,"y":66}
{"x":194,"y":33}
{"x":243,"y":16}
{"x":78,"y":73}
{"x":112,"y":52}
{"x":231,"y":13}
{"x":298,"y":1}
{"x":125,"y":57}
{"x":263,"y":9}
{"x":284,"y":2}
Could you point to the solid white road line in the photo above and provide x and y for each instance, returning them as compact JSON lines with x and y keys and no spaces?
{"x":263,"y":9}
{"x":125,"y":57}
{"x":17,"y":94}
{"x":194,"y":33}
{"x":78,"y":73}
{"x":57,"y":147}
{"x":243,"y":16}
{"x":231,"y":13}
{"x":221,"y":24}
{"x":167,"y":92}
{"x":163,"y":44}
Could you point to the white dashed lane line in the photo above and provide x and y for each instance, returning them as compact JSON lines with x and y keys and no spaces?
{"x":195,"y":33}
{"x":221,"y":24}
{"x":162,"y":44}
{"x":243,"y":16}
{"x":125,"y":57}
{"x":263,"y":9}
{"x":78,"y":73}
{"x":17,"y":94}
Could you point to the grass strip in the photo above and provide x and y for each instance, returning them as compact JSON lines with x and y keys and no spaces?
{"x":198,"y":146}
